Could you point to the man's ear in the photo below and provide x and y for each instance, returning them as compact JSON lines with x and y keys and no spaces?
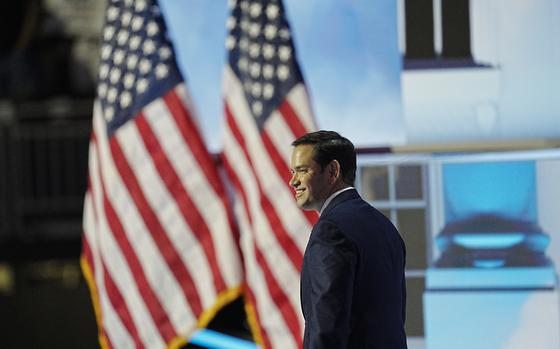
{"x":334,"y":170}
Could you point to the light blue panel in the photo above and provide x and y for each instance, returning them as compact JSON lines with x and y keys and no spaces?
{"x":216,"y":340}
{"x":471,"y":320}
{"x":470,"y":278}
{"x":504,"y":188}
{"x":491,"y":320}
{"x":350,"y":59}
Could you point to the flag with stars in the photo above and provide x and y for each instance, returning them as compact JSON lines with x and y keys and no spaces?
{"x":266,"y":108}
{"x":160,"y":252}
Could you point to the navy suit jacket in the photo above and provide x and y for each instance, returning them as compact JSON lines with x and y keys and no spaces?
{"x":352,"y":281}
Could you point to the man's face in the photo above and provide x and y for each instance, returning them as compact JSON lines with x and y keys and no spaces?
{"x":311,"y":184}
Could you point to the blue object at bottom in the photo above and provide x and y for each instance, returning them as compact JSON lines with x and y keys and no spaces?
{"x":216,"y":340}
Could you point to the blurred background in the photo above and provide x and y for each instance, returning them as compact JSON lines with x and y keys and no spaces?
{"x":453,"y":104}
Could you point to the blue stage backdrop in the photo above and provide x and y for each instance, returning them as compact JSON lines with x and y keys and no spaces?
{"x":348,"y":52}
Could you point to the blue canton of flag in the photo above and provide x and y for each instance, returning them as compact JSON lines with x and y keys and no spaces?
{"x":137,"y":60}
{"x":261,"y":54}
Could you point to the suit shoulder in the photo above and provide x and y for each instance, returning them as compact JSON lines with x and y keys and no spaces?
{"x":359,"y":219}
{"x":350,"y":210}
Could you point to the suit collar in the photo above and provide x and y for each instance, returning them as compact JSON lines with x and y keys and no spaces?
{"x":330,"y":198}
{"x":344,"y":196}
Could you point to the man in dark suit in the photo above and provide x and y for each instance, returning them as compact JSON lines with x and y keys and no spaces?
{"x":352,"y":280}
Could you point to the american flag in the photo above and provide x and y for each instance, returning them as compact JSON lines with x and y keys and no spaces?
{"x":266,"y":108}
{"x":159,"y":249}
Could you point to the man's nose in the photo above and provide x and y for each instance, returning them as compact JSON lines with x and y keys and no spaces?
{"x":294,"y":182}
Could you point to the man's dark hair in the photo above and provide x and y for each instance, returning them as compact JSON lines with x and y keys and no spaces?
{"x":329,"y":146}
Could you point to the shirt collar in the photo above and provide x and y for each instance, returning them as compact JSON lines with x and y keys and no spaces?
{"x":330,"y":198}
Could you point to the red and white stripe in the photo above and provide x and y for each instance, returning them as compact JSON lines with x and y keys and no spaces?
{"x":274,"y":231}
{"x":158,"y":237}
